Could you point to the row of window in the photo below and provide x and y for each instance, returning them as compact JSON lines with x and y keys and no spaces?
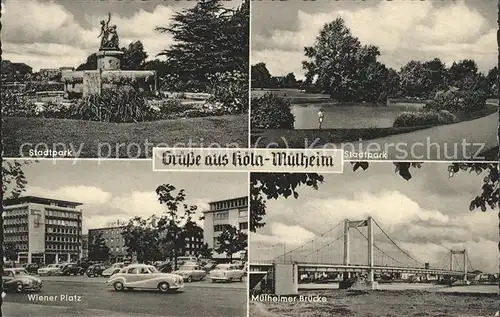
{"x":59,"y":247}
{"x":62,"y":214}
{"x":62,"y":239}
{"x":61,"y":230}
{"x":240,"y":202}
{"x":16,"y":229}
{"x":59,"y":222}
{"x":16,"y":238}
{"x":220,"y":228}
{"x":16,"y":212}
{"x":15,"y":221}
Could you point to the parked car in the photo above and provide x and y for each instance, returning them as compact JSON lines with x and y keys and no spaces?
{"x":181,"y":260}
{"x":226,"y":272}
{"x":72,"y":269}
{"x":145,"y":277}
{"x":166,"y":267}
{"x":32,"y":268}
{"x":95,"y":270}
{"x":19,"y":280}
{"x":210,"y":266}
{"x":51,"y":269}
{"x":113,"y":269}
{"x":191,"y":272}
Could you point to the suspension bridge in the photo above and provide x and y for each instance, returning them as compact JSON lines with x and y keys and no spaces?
{"x":360,"y":250}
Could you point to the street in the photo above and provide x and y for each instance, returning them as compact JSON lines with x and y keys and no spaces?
{"x":93,"y":298}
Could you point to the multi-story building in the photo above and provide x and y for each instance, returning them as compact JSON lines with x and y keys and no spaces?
{"x":194,"y":242}
{"x":85,"y":247}
{"x":221,"y":214}
{"x":114,"y":240}
{"x":43,"y":230}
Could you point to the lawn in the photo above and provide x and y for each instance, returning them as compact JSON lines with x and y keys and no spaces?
{"x":89,"y":139}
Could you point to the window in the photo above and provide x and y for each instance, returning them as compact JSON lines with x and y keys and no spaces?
{"x":243,"y":225}
{"x":243,"y":212}
{"x":133,"y":270}
{"x":222,"y":216}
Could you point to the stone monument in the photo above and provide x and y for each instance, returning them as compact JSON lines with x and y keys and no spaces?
{"x":108,"y":73}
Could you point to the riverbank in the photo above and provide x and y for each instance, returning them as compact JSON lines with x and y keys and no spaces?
{"x":408,"y":303}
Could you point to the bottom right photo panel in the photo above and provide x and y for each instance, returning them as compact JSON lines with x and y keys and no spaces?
{"x":380,"y":239}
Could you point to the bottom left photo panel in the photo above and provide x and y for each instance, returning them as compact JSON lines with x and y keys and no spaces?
{"x":114,"y":238}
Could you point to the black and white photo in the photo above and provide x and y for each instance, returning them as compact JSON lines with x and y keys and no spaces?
{"x":112,"y":79}
{"x":371,"y":242}
{"x":114,"y":238}
{"x":416,"y":80}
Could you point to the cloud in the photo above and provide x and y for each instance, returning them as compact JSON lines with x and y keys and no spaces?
{"x":414,"y":31}
{"x":84,"y":194}
{"x":46,"y":35}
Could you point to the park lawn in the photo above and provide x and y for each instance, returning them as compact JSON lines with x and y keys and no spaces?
{"x":121,"y":140}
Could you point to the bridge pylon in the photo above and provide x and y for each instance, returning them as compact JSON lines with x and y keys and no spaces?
{"x":464,"y":253}
{"x":368,"y":222}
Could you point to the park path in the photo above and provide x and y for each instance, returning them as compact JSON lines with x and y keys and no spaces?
{"x":453,"y":142}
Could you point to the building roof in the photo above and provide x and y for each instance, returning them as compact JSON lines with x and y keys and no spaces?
{"x":224,"y":200}
{"x":39,"y":200}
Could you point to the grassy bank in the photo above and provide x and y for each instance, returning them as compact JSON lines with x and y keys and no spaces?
{"x":120,"y":140}
{"x":383,"y":303}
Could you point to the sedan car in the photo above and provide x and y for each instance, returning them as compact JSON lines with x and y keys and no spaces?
{"x":32,"y":268}
{"x":95,"y":270}
{"x":145,"y":277}
{"x":191,"y":272}
{"x":51,"y":269}
{"x":226,"y":272}
{"x":19,"y":280}
{"x":113,"y":269}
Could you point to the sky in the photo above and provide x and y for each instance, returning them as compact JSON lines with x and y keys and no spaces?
{"x":403,"y":30}
{"x":427,"y":216}
{"x":53,"y":34}
{"x":119,"y":190}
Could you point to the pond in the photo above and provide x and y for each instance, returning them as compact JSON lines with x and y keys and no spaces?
{"x":338,"y":116}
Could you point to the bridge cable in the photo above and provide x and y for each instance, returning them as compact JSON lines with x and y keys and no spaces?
{"x":381,"y":249}
{"x":293,"y":250}
{"x":401,"y":249}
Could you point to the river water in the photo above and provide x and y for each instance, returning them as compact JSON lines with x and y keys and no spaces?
{"x":415,"y":286}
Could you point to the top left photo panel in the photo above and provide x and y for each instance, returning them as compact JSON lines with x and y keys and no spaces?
{"x":113,"y":79}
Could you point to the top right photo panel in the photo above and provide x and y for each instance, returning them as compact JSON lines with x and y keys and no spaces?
{"x":382,"y":80}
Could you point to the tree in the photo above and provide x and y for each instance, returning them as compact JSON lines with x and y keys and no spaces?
{"x":290,"y":81}
{"x":261,"y":78}
{"x":336,"y":60}
{"x":11,"y":252}
{"x":273,"y":186}
{"x":141,"y":238}
{"x":492,"y":79}
{"x":90,"y":63}
{"x":412,"y":78}
{"x":134,"y":56}
{"x":209,"y":39}
{"x":206,"y":251}
{"x":231,"y":241}
{"x":174,"y":227}
{"x":13,"y":185}
{"x":98,"y":250}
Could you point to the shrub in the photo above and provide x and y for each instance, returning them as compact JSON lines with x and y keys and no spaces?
{"x":271,"y":112}
{"x":424,"y":118}
{"x":114,"y":105}
{"x":454,"y":100}
{"x":168,"y":109}
{"x":229,"y":90}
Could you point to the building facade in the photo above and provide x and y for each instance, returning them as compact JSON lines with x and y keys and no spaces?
{"x":43,"y":230}
{"x":85,"y":247}
{"x":114,"y":240}
{"x":221,"y":214}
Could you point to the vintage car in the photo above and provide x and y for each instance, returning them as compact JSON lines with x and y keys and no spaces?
{"x":145,"y":277}
{"x":95,"y":270}
{"x":226,"y":272}
{"x":113,"y":269}
{"x":32,"y":268}
{"x":19,"y":280}
{"x":191,"y":272}
{"x":51,"y":269}
{"x":72,"y":269}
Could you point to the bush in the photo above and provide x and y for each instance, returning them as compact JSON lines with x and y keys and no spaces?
{"x":230,"y":91}
{"x":168,"y":109}
{"x":114,"y":105}
{"x":455,"y":100}
{"x":424,"y":118}
{"x":271,"y":112}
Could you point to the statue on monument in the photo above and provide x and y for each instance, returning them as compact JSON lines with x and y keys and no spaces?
{"x":109,"y":35}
